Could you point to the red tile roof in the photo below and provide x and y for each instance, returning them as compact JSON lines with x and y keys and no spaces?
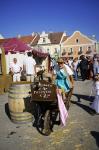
{"x":55,"y":37}
{"x":26,"y":39}
{"x":65,"y":38}
{"x":35,"y":40}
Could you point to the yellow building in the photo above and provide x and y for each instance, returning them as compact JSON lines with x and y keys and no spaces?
{"x":78,"y":44}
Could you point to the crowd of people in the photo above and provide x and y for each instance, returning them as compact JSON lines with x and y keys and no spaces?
{"x":85,"y":67}
{"x":64,"y":72}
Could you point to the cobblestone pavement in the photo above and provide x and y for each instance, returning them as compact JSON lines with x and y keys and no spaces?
{"x":80,"y":133}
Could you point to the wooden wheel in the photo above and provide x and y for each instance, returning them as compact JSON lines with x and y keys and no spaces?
{"x":44,"y":122}
{"x":68,"y":99}
{"x":47,"y":123}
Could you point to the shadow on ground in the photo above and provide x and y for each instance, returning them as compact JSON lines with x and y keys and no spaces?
{"x":96,"y":136}
{"x":84,"y":97}
{"x":7,"y":110}
{"x":86,"y":108}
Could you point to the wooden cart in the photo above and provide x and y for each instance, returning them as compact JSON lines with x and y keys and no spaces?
{"x":45,"y":105}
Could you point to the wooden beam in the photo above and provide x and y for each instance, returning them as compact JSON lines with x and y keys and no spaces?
{"x":3,"y":62}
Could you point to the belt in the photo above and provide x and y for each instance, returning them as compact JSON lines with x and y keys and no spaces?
{"x":16,"y":72}
{"x":29,"y":75}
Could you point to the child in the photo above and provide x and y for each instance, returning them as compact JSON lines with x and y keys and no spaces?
{"x":95,"y":104}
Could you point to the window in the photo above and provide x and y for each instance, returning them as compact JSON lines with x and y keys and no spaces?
{"x":77,"y":41}
{"x":48,"y":51}
{"x":64,"y":52}
{"x":80,"y":49}
{"x":89,"y":48}
{"x":71,"y":50}
{"x":43,"y":40}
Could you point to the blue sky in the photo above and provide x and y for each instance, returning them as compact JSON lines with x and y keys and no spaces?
{"x":26,"y":16}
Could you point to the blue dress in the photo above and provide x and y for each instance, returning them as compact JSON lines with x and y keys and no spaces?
{"x":61,"y":80}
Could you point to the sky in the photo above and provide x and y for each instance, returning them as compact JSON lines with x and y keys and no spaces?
{"x":23,"y":17}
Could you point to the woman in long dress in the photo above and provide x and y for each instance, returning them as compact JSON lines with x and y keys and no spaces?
{"x":95,"y":104}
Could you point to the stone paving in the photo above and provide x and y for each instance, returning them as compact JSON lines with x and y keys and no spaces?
{"x":80,"y":133}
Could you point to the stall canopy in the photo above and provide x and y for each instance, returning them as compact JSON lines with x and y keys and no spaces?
{"x":14,"y":45}
{"x":38,"y":52}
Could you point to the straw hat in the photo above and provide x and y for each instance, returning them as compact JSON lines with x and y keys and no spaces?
{"x":60,"y":60}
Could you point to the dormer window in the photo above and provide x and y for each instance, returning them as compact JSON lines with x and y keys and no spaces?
{"x":43,"y":40}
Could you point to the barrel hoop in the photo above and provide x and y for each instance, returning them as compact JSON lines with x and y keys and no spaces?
{"x":22,"y":122}
{"x":20,"y":85}
{"x":13,"y":98}
{"x":21,"y":118}
{"x":22,"y":113}
{"x":15,"y":88}
{"x":13,"y":92}
{"x":24,"y":119}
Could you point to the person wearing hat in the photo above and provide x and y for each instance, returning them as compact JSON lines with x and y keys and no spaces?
{"x":62,"y":65}
{"x":64,"y":80}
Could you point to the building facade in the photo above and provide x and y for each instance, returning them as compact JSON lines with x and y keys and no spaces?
{"x":78,"y":44}
{"x":50,"y":42}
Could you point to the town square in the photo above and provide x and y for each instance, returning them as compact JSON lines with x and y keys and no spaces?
{"x":49,"y":75}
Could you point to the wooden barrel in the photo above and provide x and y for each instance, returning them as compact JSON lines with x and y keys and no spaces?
{"x":19,"y":103}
